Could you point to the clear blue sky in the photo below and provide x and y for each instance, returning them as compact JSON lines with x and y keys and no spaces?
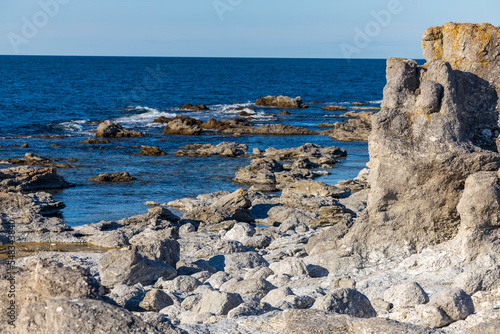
{"x":239,"y":28}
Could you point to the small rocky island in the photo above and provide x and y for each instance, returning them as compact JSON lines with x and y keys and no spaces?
{"x":411,"y":245}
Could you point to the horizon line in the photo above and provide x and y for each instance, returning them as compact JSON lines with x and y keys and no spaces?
{"x":214,"y":57}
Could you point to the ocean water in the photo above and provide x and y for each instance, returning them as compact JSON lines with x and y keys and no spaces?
{"x":61,"y":96}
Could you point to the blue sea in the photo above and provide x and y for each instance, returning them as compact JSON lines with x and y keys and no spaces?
{"x":61,"y":96}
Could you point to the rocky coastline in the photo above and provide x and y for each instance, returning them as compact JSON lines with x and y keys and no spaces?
{"x":411,"y":245}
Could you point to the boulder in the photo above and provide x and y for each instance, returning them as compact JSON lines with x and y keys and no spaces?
{"x":115,"y":130}
{"x":290,"y":266}
{"x":446,"y":307}
{"x":238,"y":261}
{"x":127,"y":296}
{"x":181,"y":283}
{"x":406,"y":295}
{"x":218,"y":303}
{"x":128,"y":266}
{"x":248,"y":287}
{"x":155,"y":300}
{"x":346,"y":301}
{"x":240,"y":232}
{"x":60,"y":316}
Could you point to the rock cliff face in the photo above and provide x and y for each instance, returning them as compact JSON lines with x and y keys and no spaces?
{"x":438,"y":125}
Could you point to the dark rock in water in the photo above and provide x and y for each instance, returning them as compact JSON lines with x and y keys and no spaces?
{"x":438,"y":125}
{"x":31,"y":179}
{"x":182,"y":125}
{"x":284,"y":113}
{"x":272,"y":130}
{"x":94,"y":141}
{"x":281,"y":102}
{"x":334,"y":108}
{"x":189,"y":106}
{"x":151,"y":150}
{"x":115,"y":130}
{"x":113,"y":177}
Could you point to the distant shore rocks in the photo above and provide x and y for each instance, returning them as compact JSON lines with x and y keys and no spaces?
{"x":334,"y":108}
{"x":189,"y":106}
{"x":114,"y":130}
{"x":113,"y":177}
{"x":281,"y":102}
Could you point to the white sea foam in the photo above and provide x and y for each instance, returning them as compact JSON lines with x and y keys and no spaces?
{"x":144,"y":117}
{"x":375,"y":102}
{"x":74,"y":126}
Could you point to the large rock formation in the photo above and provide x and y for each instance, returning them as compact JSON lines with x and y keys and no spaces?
{"x":437,"y":126}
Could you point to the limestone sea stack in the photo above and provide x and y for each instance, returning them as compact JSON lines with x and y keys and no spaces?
{"x":438,"y":127}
